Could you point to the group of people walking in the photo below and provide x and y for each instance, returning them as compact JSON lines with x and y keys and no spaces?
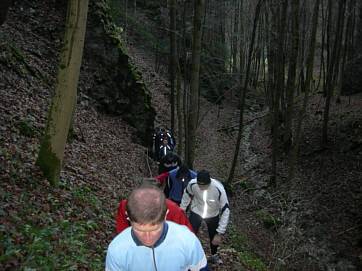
{"x":157,"y":230}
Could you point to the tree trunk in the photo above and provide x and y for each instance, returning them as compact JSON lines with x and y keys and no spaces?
{"x":292,"y":71}
{"x":235,"y":37}
{"x":243,"y":93}
{"x":279,"y":86}
{"x":194,"y":84}
{"x":64,"y":99}
{"x":309,"y":76}
{"x":333,"y":69}
{"x":179,"y":113}
{"x":173,"y":60}
{"x":4,"y":7}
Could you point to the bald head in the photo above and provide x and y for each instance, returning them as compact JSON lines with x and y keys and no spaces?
{"x":147,"y":205}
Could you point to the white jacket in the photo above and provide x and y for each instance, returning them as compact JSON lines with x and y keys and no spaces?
{"x":208,"y":203}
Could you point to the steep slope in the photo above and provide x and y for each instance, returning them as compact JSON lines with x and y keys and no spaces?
{"x":70,"y":227}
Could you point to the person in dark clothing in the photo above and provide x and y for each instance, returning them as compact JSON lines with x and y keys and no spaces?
{"x":157,"y":139}
{"x":165,"y":147}
{"x":171,"y":140}
{"x":169,"y":162}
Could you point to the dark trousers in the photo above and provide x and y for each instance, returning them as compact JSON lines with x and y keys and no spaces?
{"x":212,"y":224}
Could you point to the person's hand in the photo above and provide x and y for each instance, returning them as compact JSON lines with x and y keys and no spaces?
{"x":216,"y":240}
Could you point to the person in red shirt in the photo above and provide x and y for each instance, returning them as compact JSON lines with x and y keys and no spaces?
{"x":175,"y":214}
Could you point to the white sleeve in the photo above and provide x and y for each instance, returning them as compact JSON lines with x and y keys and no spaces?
{"x":224,"y":211}
{"x":186,"y":197}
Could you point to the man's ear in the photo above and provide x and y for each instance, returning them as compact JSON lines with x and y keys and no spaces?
{"x":166,"y":213}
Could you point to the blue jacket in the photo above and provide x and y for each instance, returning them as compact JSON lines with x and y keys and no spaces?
{"x":178,"y":185}
{"x":177,"y":249}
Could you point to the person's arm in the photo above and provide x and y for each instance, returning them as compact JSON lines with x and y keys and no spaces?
{"x":198,"y":260}
{"x":167,"y":189}
{"x":186,"y":198}
{"x":112,"y":263}
{"x":179,"y":162}
{"x":177,"y":215}
{"x":224,"y":212}
{"x":193,"y":174}
{"x":184,"y":221}
{"x":162,"y":177}
{"x":121,"y":218}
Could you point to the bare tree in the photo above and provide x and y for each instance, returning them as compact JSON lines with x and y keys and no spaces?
{"x":278,"y":22}
{"x":309,"y":75}
{"x":243,"y":92}
{"x":194,"y":84}
{"x":333,"y":67}
{"x":292,"y":72}
{"x":4,"y":7}
{"x":173,"y":60}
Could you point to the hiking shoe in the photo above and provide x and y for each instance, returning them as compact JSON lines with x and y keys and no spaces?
{"x":215,"y":259}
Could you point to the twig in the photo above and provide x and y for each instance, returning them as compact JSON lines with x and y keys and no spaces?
{"x":246,"y":123}
{"x":350,"y":229}
{"x":148,"y":164}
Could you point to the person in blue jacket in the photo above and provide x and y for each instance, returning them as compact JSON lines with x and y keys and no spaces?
{"x":152,"y":243}
{"x":176,"y":182}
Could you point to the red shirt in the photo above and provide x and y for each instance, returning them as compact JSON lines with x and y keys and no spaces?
{"x":175,"y":214}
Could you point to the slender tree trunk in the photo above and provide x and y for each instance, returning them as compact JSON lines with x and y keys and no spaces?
{"x":173,"y":60}
{"x":301,"y":115}
{"x":292,"y":72}
{"x":179,"y":113}
{"x":195,"y":71}
{"x":4,"y":7}
{"x":235,"y":36}
{"x":279,"y":75}
{"x":243,"y":94}
{"x":64,"y":99}
{"x":333,"y":70}
{"x":185,"y":79}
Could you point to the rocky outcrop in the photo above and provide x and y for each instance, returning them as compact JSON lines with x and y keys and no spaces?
{"x":119,"y":89}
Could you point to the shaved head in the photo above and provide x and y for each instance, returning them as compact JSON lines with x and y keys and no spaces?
{"x":147,"y":205}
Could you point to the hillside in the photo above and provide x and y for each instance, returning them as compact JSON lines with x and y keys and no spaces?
{"x":69,"y":228}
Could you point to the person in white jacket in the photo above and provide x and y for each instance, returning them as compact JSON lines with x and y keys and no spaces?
{"x":210,"y":204}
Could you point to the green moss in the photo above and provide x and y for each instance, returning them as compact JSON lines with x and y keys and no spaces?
{"x":16,"y":52}
{"x":25,"y":128}
{"x":135,"y":74}
{"x":267,"y":219}
{"x":49,"y":162}
{"x":123,"y":52}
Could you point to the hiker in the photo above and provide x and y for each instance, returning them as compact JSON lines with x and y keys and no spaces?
{"x":152,"y":243}
{"x":174,"y":214}
{"x":156,"y":136}
{"x":171,"y":139}
{"x":169,"y":162}
{"x":164,"y":148}
{"x":210,"y":204}
{"x":176,"y":182}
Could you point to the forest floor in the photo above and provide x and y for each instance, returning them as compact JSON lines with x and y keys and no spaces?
{"x":317,"y":228}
